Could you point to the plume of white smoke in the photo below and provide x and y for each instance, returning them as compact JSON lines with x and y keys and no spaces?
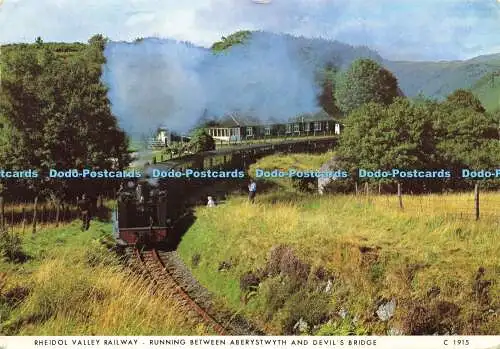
{"x":157,"y":82}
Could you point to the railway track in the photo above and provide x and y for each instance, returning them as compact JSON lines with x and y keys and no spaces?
{"x":172,"y":278}
{"x":167,"y":271}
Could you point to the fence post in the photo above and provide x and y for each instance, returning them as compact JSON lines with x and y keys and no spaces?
{"x":33,"y":231}
{"x":2,"y":213}
{"x":379,"y":188}
{"x":476,"y":200}
{"x":24,"y":218}
{"x":356,"y":187}
{"x":58,"y":211}
{"x":367,"y":190}
{"x":43,"y":214}
{"x":400,"y":196}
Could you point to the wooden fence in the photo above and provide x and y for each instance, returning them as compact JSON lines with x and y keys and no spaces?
{"x":472,"y":205}
{"x":31,"y":215}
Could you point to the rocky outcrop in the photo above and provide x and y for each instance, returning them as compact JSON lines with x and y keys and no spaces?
{"x":386,"y":310}
{"x":330,"y":165}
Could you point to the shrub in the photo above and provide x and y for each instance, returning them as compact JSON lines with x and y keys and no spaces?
{"x":275,"y":291}
{"x":201,"y":141}
{"x":14,"y":296}
{"x":344,"y":186}
{"x":429,"y":318}
{"x":419,"y":321}
{"x":283,"y":261}
{"x":311,"y":307}
{"x":305,"y":184}
{"x":11,"y":247}
{"x":249,"y":281}
{"x":195,"y":260}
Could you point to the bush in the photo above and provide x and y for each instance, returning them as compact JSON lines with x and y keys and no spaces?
{"x":305,"y":184}
{"x":249,"y":281}
{"x":344,"y":327}
{"x":313,"y":308}
{"x":435,"y":317}
{"x":275,"y":291}
{"x":195,"y":260}
{"x":201,"y":141}
{"x":283,"y":261}
{"x":344,"y":186}
{"x":11,"y":247}
{"x":14,"y":296}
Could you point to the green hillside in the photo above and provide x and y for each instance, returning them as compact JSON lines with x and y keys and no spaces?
{"x":487,"y":89}
{"x":433,"y":79}
{"x":438,"y":79}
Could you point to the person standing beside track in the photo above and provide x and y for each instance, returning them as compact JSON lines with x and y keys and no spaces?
{"x":84,"y":206}
{"x":211,"y":202}
{"x":252,"y":190}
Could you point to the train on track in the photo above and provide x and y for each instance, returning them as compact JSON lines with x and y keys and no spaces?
{"x":149,"y":208}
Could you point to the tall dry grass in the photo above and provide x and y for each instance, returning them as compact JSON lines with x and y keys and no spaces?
{"x":375,"y":249}
{"x":75,"y":286}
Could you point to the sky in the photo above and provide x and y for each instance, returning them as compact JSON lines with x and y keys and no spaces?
{"x":398,"y":30}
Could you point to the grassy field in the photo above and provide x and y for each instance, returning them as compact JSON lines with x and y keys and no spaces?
{"x":441,"y":270}
{"x":65,"y":282}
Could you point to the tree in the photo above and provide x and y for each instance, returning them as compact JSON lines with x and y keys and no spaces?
{"x":466,"y":138}
{"x":234,"y":39}
{"x":57,"y":114}
{"x":327,"y":97}
{"x":365,"y":81}
{"x":465,"y":99}
{"x":420,"y":136}
{"x":201,"y":141}
{"x":380,"y":137}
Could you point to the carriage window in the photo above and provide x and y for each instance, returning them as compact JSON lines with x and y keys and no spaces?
{"x":317,"y":126}
{"x":249,"y":131}
{"x":267,"y":131}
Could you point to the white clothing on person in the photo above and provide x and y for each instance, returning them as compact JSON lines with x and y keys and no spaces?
{"x":252,"y":186}
{"x":211,"y":202}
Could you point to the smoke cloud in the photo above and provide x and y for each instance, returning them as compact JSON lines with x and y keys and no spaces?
{"x":157,"y":82}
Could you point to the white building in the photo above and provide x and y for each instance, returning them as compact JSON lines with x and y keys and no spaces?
{"x":163,"y":135}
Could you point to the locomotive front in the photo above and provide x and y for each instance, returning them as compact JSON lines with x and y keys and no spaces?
{"x":141,"y":215}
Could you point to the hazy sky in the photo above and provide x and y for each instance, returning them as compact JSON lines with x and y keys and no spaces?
{"x":404,"y":29}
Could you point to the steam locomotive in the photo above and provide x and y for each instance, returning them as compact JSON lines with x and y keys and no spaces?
{"x":141,"y":214}
{"x":148,"y":208}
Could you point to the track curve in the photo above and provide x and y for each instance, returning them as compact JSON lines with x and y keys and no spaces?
{"x":172,"y":278}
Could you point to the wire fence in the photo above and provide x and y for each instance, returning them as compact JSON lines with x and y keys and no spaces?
{"x":30,"y":216}
{"x":475,"y":205}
